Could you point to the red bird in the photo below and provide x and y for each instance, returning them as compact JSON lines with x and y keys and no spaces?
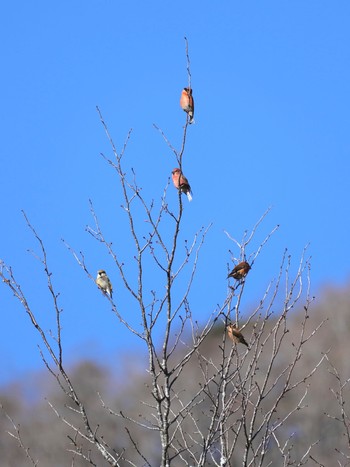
{"x":235,"y":334}
{"x":240,"y":271}
{"x":187,"y":103}
{"x":181,"y":183}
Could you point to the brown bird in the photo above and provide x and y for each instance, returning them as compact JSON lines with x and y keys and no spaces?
{"x":181,"y":183}
{"x":240,"y":271}
{"x":187,"y":103}
{"x":235,"y":334}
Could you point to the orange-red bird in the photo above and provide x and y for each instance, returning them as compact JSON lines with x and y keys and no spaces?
{"x":187,"y":103}
{"x":240,"y":271}
{"x":235,"y":334}
{"x":181,"y":183}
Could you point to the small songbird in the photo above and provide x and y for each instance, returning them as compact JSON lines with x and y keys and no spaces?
{"x":235,"y":334}
{"x":103,"y":282}
{"x":240,"y":271}
{"x":187,"y":103}
{"x":181,"y":183}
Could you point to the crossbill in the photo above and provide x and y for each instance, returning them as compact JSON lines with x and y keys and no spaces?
{"x":240,"y":271}
{"x":103,"y":282}
{"x":181,"y":183}
{"x":187,"y":103}
{"x":235,"y":334}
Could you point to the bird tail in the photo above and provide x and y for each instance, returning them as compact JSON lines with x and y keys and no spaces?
{"x":189,"y":196}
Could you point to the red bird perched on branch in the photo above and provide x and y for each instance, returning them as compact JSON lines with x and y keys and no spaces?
{"x":235,"y":334}
{"x":240,"y":271}
{"x":181,"y":183}
{"x":187,"y":103}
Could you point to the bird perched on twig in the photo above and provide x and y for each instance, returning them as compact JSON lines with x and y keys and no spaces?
{"x":103,"y":282}
{"x":235,"y":334}
{"x":240,"y":271}
{"x":187,"y":103}
{"x":181,"y":183}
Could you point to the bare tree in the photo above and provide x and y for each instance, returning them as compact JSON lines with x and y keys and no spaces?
{"x":217,"y":404}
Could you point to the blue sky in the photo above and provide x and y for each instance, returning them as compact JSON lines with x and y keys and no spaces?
{"x":271,"y":87}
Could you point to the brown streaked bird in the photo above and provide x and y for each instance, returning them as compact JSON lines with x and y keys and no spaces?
{"x":181,"y":183}
{"x":187,"y":103}
{"x":240,"y":271}
{"x":103,"y":282}
{"x":235,"y":334}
